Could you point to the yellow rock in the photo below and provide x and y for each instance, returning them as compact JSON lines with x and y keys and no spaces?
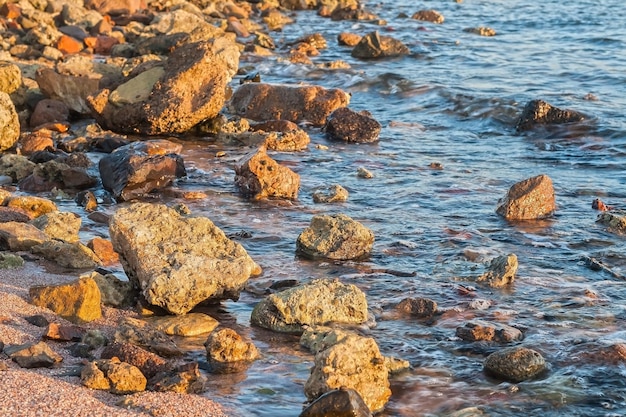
{"x":78,"y":301}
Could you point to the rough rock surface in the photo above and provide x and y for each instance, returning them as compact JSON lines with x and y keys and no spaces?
{"x":35,"y":206}
{"x":417,"y":307}
{"x":501,"y":271}
{"x":331,"y":194}
{"x":62,"y":173}
{"x":33,"y":355}
{"x":113,"y":291}
{"x":342,"y":402}
{"x":373,"y":45}
{"x":258,"y":101}
{"x":529,"y":199}
{"x":320,"y":302}
{"x":9,"y":123}
{"x":481,"y":330}
{"x":78,"y":301}
{"x":190,"y":324}
{"x":538,"y":112}
{"x":178,"y":262}
{"x":184,"y":379}
{"x":70,"y":255}
{"x":147,"y":362}
{"x":10,"y":77}
{"x":432,"y":16}
{"x":335,"y":237}
{"x":259,"y":176}
{"x":143,"y":334}
{"x":113,"y":375}
{"x":18,"y":236}
{"x":227,"y":352}
{"x":59,"y":225}
{"x":350,"y":126}
{"x":16,"y":166}
{"x":72,"y":90}
{"x":515,"y":364}
{"x":615,"y":222}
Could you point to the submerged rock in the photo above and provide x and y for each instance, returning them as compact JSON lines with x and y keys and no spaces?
{"x":227,"y":352}
{"x":538,"y":112}
{"x":515,"y":364}
{"x":432,"y":16}
{"x":615,"y":222}
{"x":350,"y":126}
{"x":259,"y":176}
{"x":529,"y":199}
{"x":373,"y":45}
{"x":501,"y":271}
{"x":417,"y":307}
{"x":331,"y":194}
{"x":342,"y":402}
{"x":335,"y":237}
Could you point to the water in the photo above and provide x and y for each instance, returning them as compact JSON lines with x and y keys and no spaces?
{"x":455,"y":101}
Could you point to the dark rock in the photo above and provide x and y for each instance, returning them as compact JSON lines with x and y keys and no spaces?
{"x":81,"y":350}
{"x":538,"y":112}
{"x":49,"y":111}
{"x":148,"y":363}
{"x":33,"y":355}
{"x":373,"y":45}
{"x":64,"y":333}
{"x":493,"y":332}
{"x":515,"y":364}
{"x":432,"y":16}
{"x":530,"y":199}
{"x":350,"y":126}
{"x":141,"y":333}
{"x":13,"y":214}
{"x":343,"y":402}
{"x":185,"y":379}
{"x":227,"y":352}
{"x":615,"y":222}
{"x":417,"y":307}
{"x":37,"y":320}
{"x":335,"y":237}
{"x":57,"y":174}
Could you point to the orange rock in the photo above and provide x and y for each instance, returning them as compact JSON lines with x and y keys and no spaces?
{"x":103,"y":249}
{"x":101,"y":44}
{"x":597,"y":204}
{"x":36,"y":141}
{"x":69,"y":45}
{"x":11,"y":11}
{"x":55,"y":127}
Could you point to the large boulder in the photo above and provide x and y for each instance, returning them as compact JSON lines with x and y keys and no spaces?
{"x":9,"y":123}
{"x":515,"y":364}
{"x":78,"y":301}
{"x":350,"y":126}
{"x":59,"y":225}
{"x":191,"y":88}
{"x":538,"y":112}
{"x":259,"y":101}
{"x":529,"y":199}
{"x":178,"y":262}
{"x":373,"y":45}
{"x":320,"y":302}
{"x":259,"y":176}
{"x":335,"y":237}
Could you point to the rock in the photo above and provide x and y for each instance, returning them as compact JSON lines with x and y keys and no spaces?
{"x":70,"y":255}
{"x":354,"y":363}
{"x":17,"y":236}
{"x":186,"y":379}
{"x":351,"y":12}
{"x":615,"y":222}
{"x":38,"y":320}
{"x":481,"y":31}
{"x":113,"y":291}
{"x":320,"y":302}
{"x":529,"y":199}
{"x":432,"y":16}
{"x":116,"y":376}
{"x":348,"y":39}
{"x":350,"y":126}
{"x":10,"y":261}
{"x":259,"y":176}
{"x":332,"y":194}
{"x":227,"y":352}
{"x":59,"y":225}
{"x":61,"y":173}
{"x":78,"y":301}
{"x":538,"y":112}
{"x":259,"y":101}
{"x":373,"y":45}
{"x":115,"y":7}
{"x":417,"y":307}
{"x":16,"y":166}
{"x":87,"y":200}
{"x":34,"y":206}
{"x":342,"y":402}
{"x":147,"y":362}
{"x":197,"y":262}
{"x":292,"y":141}
{"x":33,"y":355}
{"x":63,"y":333}
{"x":141,"y":333}
{"x":501,"y":271}
{"x":492,"y":332}
{"x":190,"y":324}
{"x":32,"y":142}
{"x":191,"y":89}
{"x":49,"y":111}
{"x":335,"y":237}
{"x":515,"y":364}
{"x":130,"y":173}
{"x":10,"y":77}
{"x":72,"y":90}
{"x":9,"y":123}
{"x":103,"y":249}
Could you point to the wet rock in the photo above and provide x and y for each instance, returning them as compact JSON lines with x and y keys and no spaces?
{"x":538,"y":112}
{"x":529,"y":199}
{"x":147,"y":362}
{"x":130,"y":173}
{"x":61,"y":173}
{"x":350,"y":126}
{"x":33,"y":355}
{"x":259,"y":176}
{"x":492,"y":332}
{"x":373,"y":45}
{"x":59,"y":225}
{"x":335,"y":237}
{"x":342,"y":402}
{"x":292,"y":141}
{"x":72,"y":90}
{"x":49,"y":111}
{"x":227,"y":352}
{"x":185,"y":379}
{"x":78,"y":301}
{"x":432,"y":16}
{"x":113,"y":291}
{"x":351,"y":12}
{"x":197,"y":262}
{"x":615,"y":222}
{"x":87,"y":200}
{"x":331,"y":194}
{"x":174,"y":104}
{"x":9,"y":123}
{"x":320,"y":302}
{"x":10,"y":261}
{"x":354,"y":363}
{"x":348,"y":39}
{"x":515,"y":364}
{"x":501,"y":271}
{"x":141,"y":333}
{"x":16,"y":166}
{"x":103,"y":249}
{"x":259,"y":101}
{"x":481,"y":31}
{"x":70,"y":255}
{"x":417,"y":307}
{"x":190,"y":324}
{"x":113,"y":375}
{"x":10,"y":77}
{"x":64,"y":333}
{"x":17,"y":236}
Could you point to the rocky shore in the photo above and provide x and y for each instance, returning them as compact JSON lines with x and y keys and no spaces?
{"x":130,"y":81}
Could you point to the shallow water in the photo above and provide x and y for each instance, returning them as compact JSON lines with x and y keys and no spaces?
{"x":455,"y":101}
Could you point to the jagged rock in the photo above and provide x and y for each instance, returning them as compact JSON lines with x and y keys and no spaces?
{"x":34,"y":206}
{"x":178,"y":262}
{"x":332,"y":194}
{"x":190,"y":324}
{"x":291,"y":141}
{"x":9,"y":123}
{"x":259,"y":101}
{"x":417,"y":307}
{"x":335,"y":237}
{"x":342,"y":402}
{"x":432,"y":16}
{"x":10,"y":261}
{"x":16,"y":166}
{"x":141,"y":333}
{"x":63,"y":333}
{"x":320,"y":302}
{"x":32,"y":142}
{"x":501,"y":271}
{"x":72,"y":90}
{"x":78,"y":301}
{"x":103,"y":249}
{"x":373,"y":45}
{"x":538,"y":112}
{"x":92,"y":377}
{"x":64,"y":174}
{"x":10,"y":77}
{"x":515,"y":364}
{"x":259,"y":176}
{"x":113,"y":375}
{"x":33,"y":355}
{"x":147,"y":362}
{"x":191,"y":89}
{"x":113,"y":291}
{"x":70,"y":255}
{"x":227,"y":352}
{"x":354,"y":363}
{"x":59,"y":225}
{"x":17,"y":236}
{"x":350,"y":126}
{"x":493,"y":332}
{"x":615,"y":222}
{"x":529,"y":199}
{"x":185,"y":379}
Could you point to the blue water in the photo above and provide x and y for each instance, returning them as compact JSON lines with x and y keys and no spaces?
{"x":454,"y":100}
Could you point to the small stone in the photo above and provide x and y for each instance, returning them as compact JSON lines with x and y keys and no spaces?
{"x":501,"y":271}
{"x":332,"y":194}
{"x":515,"y":364}
{"x":417,"y":307}
{"x":78,"y":301}
{"x":530,"y":199}
{"x":364,"y":173}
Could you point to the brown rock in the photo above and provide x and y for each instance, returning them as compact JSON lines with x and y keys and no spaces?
{"x":615,"y":222}
{"x":481,"y":330}
{"x":283,"y":126}
{"x":530,"y":199}
{"x":49,"y":111}
{"x":17,"y":236}
{"x":227,"y":352}
{"x":185,"y":379}
{"x":16,"y":166}
{"x":59,"y":225}
{"x":116,"y":7}
{"x":9,"y":123}
{"x":335,"y":237}
{"x":10,"y":76}
{"x":348,"y":39}
{"x":78,"y":301}
{"x":70,"y":89}
{"x":501,"y":271}
{"x":123,"y":378}
{"x":342,"y":402}
{"x":432,"y":16}
{"x":13,"y":214}
{"x":69,"y":45}
{"x":350,"y":126}
{"x":148,"y":363}
{"x":64,"y":333}
{"x":538,"y":112}
{"x":373,"y":46}
{"x":33,"y":355}
{"x":259,"y":176}
{"x":332,"y":194}
{"x":31,"y":142}
{"x":417,"y":307}
{"x":101,"y":44}
{"x":515,"y":364}
{"x":113,"y":291}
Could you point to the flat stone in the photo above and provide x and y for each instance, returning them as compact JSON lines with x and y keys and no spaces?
{"x":190,"y":324}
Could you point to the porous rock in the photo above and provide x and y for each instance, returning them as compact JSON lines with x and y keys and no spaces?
{"x":113,"y":375}
{"x":432,"y":16}
{"x":59,"y":225}
{"x":259,"y":176}
{"x":9,"y":123}
{"x":176,"y":261}
{"x":227,"y":352}
{"x":190,"y":324}
{"x":529,"y":199}
{"x":34,"y":206}
{"x":615,"y":222}
{"x":501,"y":271}
{"x":331,"y":194}
{"x":373,"y":45}
{"x":68,"y":254}
{"x":10,"y":77}
{"x":350,"y":126}
{"x":147,"y":362}
{"x":515,"y":364}
{"x":141,"y":333}
{"x":417,"y":307}
{"x":16,"y":166}
{"x":539,"y":112}
{"x":78,"y":301}
{"x":113,"y":291}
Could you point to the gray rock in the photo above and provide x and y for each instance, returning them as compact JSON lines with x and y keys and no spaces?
{"x":16,"y":166}
{"x":184,"y":379}
{"x":373,"y":45}
{"x":72,"y":90}
{"x":515,"y":364}
{"x":335,"y":237}
{"x":538,"y":112}
{"x":481,"y":330}
{"x":62,"y":173}
{"x":529,"y":199}
{"x":615,"y":222}
{"x":9,"y":123}
{"x":501,"y":271}
{"x":33,"y":355}
{"x":178,"y":262}
{"x":114,"y":292}
{"x":432,"y":16}
{"x":320,"y":302}
{"x":350,"y":126}
{"x":10,"y":261}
